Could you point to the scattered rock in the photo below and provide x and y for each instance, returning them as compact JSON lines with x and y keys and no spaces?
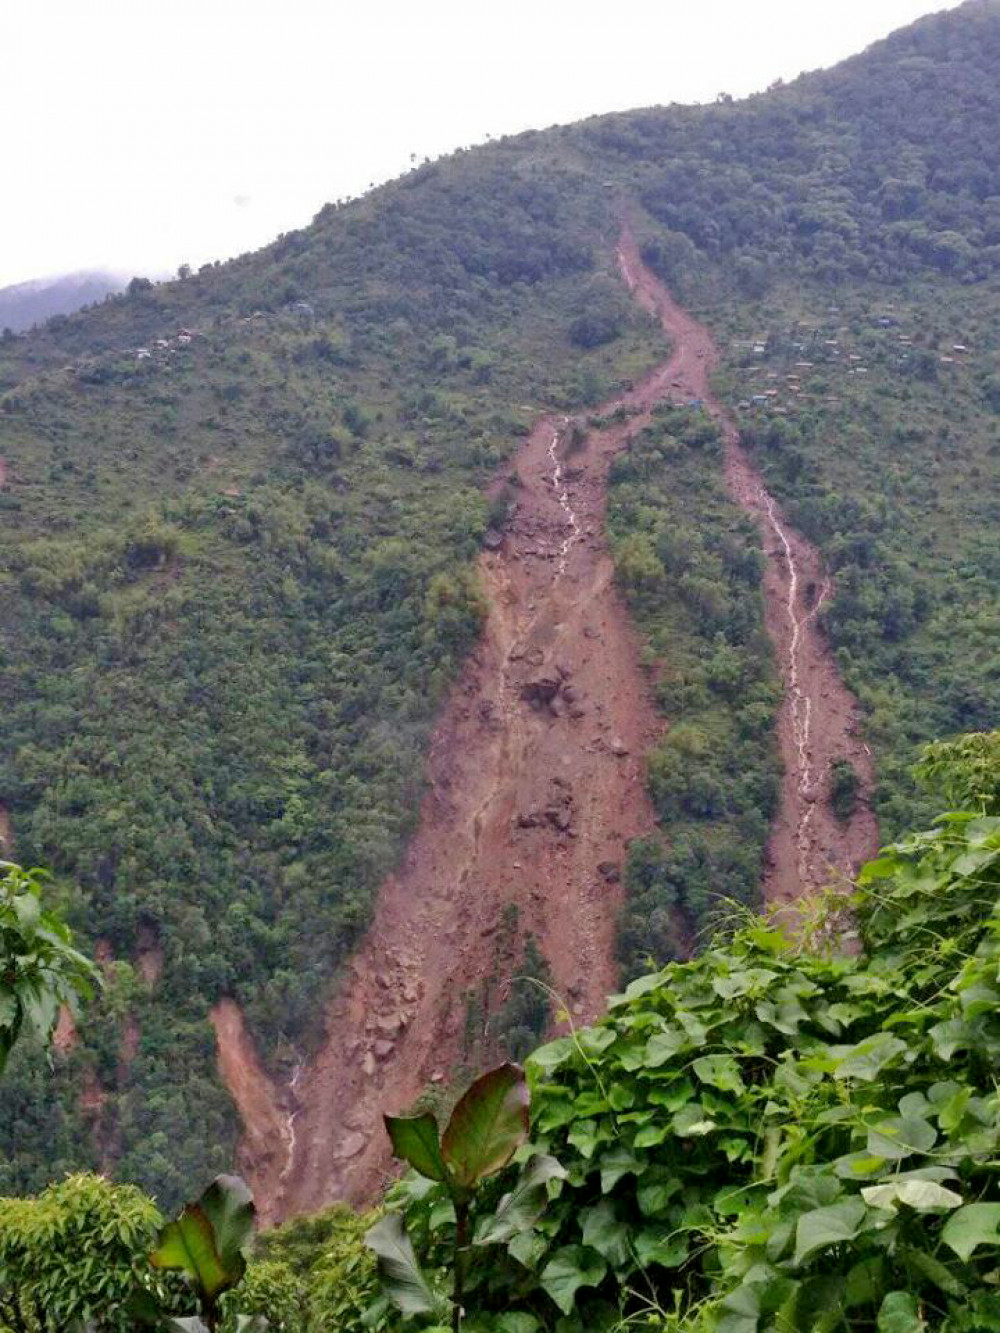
{"x":610,"y":872}
{"x":541,"y":691}
{"x":617,"y":746}
{"x":489,"y":715}
{"x":493,"y":539}
{"x":349,"y":1146}
{"x":382,"y":1049}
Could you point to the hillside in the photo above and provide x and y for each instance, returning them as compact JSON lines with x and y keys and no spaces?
{"x":242,"y":523}
{"x":26,"y":304}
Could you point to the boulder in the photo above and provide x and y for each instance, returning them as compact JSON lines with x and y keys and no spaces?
{"x":541,"y":691}
{"x":349,"y":1146}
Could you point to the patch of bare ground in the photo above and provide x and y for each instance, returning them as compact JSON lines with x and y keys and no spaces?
{"x":819,"y":721}
{"x":535,"y":786}
{"x":264,"y":1149}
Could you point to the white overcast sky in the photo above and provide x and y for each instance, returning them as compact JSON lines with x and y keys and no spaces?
{"x":140,"y":134}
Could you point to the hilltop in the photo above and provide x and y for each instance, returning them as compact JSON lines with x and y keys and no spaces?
{"x":242,"y":518}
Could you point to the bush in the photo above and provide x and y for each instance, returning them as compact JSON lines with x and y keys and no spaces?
{"x":775,"y":1136}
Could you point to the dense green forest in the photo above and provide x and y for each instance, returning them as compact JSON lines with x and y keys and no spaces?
{"x":242,"y":510}
{"x":689,"y":562}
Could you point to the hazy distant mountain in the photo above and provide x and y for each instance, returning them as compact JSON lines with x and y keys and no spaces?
{"x":29,"y":303}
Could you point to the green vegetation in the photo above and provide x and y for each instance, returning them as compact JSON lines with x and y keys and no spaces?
{"x":487,"y":1126}
{"x":39,"y":968}
{"x":205,"y":1244}
{"x":89,"y":1254}
{"x":236,"y":582}
{"x":776,"y":1135}
{"x":70,"y":1254}
{"x":888,"y":457}
{"x":689,"y":564}
{"x":237,"y":574}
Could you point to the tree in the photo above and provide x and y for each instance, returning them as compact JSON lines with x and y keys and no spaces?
{"x":39,"y":968}
{"x":70,"y":1254}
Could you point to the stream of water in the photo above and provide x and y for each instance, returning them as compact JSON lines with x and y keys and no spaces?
{"x":562,"y":494}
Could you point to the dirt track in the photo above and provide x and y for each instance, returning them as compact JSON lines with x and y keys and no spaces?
{"x":534,"y":781}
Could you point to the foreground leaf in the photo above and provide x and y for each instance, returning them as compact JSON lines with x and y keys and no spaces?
{"x":415,"y":1139}
{"x":568,"y":1270}
{"x":823,"y":1227}
{"x":974,"y":1225}
{"x":401,"y":1276}
{"x":923,"y":1196}
{"x":899,"y":1313}
{"x":206,"y":1240}
{"x":487,"y":1126}
{"x":521,"y":1208}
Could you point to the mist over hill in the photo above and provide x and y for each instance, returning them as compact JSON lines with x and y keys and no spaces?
{"x":25,"y":304}
{"x":240,"y":518}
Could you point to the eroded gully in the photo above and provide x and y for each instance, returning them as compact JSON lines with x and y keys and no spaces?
{"x":534,"y":788}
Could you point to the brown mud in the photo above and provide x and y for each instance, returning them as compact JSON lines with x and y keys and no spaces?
{"x":819,"y":721}
{"x":534,"y":788}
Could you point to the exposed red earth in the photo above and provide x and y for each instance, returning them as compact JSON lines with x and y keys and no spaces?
{"x":819,"y":721}
{"x":535,"y":786}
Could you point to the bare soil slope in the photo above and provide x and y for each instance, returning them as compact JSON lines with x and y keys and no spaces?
{"x":535,"y":786}
{"x":819,"y":721}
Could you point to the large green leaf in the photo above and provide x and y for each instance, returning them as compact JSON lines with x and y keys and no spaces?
{"x":229,"y":1206}
{"x":517,"y":1323}
{"x":415,"y":1139}
{"x":899,"y":1313}
{"x":205,"y":1242}
{"x":487,"y":1126}
{"x":900,"y":1136}
{"x":401,"y":1276}
{"x":924,"y":1196}
{"x":521,"y":1208}
{"x":568,"y":1270}
{"x":822,"y":1227}
{"x":604,"y":1231}
{"x":719,"y":1071}
{"x":869,"y":1057}
{"x":974,"y":1225}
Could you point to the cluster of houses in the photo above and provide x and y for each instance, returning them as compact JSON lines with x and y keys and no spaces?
{"x":783,"y":370}
{"x":163,"y":346}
